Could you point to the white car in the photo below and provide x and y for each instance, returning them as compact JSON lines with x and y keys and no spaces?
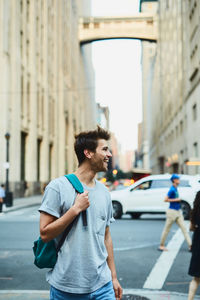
{"x":147,"y":196}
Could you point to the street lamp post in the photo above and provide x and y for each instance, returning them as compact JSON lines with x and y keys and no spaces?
{"x":9,"y":196}
{"x":7,"y":136}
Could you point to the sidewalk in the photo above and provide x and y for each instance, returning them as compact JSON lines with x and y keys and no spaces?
{"x":19,"y":203}
{"x":128,"y":295}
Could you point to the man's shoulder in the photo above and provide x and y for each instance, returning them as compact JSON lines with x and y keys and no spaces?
{"x":58,"y":183}
{"x":102,"y":188}
{"x":101,"y":185}
{"x":172,"y":188}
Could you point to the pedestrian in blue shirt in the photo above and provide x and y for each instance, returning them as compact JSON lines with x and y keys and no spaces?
{"x":174,"y":213}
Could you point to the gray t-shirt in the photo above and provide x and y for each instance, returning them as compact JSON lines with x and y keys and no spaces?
{"x":81,"y":266}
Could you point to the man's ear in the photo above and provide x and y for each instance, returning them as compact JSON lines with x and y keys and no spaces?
{"x":88,"y":153}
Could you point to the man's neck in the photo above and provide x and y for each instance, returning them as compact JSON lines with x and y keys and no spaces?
{"x":86,"y":175}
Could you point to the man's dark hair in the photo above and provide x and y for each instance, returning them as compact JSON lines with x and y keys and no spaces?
{"x":2,"y":185}
{"x":89,"y":140}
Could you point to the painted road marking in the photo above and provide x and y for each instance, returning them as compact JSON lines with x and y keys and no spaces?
{"x":145,"y":245}
{"x":159,"y":273}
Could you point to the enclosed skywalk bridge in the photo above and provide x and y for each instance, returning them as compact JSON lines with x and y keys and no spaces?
{"x":141,"y":26}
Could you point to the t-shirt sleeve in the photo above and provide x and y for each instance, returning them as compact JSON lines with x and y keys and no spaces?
{"x":51,"y":202}
{"x":171,"y":194}
{"x":110,"y":218}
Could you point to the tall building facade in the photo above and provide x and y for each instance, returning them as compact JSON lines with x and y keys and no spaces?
{"x":44,"y":91}
{"x":86,"y":52}
{"x":175,"y":89}
{"x":148,"y":65}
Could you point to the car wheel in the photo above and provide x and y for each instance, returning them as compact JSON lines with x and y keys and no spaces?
{"x":186,"y":210}
{"x":117,"y":209}
{"x":135,"y":215}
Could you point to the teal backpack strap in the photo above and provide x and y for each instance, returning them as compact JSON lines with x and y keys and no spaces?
{"x":77,"y":185}
{"x":73,"y":179}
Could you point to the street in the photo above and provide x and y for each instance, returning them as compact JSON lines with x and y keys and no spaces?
{"x":135,"y":246}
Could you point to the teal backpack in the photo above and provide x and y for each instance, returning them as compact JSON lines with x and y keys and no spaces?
{"x":46,"y":254}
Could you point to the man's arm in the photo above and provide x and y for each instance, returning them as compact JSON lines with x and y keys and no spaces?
{"x":1,"y":200}
{"x":167,"y":199}
{"x":111,"y":264}
{"x":51,"y":227}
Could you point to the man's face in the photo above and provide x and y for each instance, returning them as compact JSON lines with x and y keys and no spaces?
{"x":99,"y":160}
{"x":177,"y":181}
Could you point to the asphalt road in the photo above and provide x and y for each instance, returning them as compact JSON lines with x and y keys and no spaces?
{"x":135,"y":248}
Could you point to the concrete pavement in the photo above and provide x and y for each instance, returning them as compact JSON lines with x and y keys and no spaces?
{"x":128,"y":295}
{"x":20,"y":203}
{"x":131,"y":294}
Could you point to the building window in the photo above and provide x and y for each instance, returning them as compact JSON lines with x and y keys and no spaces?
{"x":50,"y":160}
{"x":181,"y":127}
{"x":185,"y":121}
{"x":195,"y":149}
{"x":172,"y":135}
{"x":194,"y":112}
{"x":27,"y":50}
{"x":28,"y":99}
{"x":21,"y":43}
{"x":6,"y":26}
{"x":196,"y":155}
{"x":27,"y":10}
{"x":22,"y":95}
{"x":23,"y":156}
{"x":39,"y":143}
{"x":182,"y":161}
{"x":177,"y":131}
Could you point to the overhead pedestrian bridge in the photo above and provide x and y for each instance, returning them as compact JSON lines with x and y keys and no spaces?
{"x":141,"y":26}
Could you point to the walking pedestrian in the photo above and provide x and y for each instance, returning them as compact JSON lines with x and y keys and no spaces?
{"x":2,"y":196}
{"x":174,"y":214}
{"x":194,"y":268}
{"x":85,"y":267}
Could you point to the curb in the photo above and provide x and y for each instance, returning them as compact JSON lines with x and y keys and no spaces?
{"x":14,"y":208}
{"x":20,"y":203}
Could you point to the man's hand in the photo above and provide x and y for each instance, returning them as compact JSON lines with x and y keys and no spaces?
{"x":82,"y":201}
{"x":118,"y":289}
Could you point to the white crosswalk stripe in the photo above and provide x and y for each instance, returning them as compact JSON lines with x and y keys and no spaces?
{"x":159,"y":273}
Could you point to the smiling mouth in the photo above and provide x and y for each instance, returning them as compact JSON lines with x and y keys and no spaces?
{"x":106,"y":161}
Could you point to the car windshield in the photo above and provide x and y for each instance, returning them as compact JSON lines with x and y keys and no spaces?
{"x":143,"y":186}
{"x":160,"y":183}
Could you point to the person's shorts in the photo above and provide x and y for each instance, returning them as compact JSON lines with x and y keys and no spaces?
{"x":106,"y":292}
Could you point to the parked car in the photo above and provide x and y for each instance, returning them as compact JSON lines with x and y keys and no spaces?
{"x":147,"y":196}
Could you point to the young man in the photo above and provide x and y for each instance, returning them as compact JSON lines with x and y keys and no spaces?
{"x":85,"y":268}
{"x":174,"y":213}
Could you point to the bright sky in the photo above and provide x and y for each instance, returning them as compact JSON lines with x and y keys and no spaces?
{"x":117,"y":65}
